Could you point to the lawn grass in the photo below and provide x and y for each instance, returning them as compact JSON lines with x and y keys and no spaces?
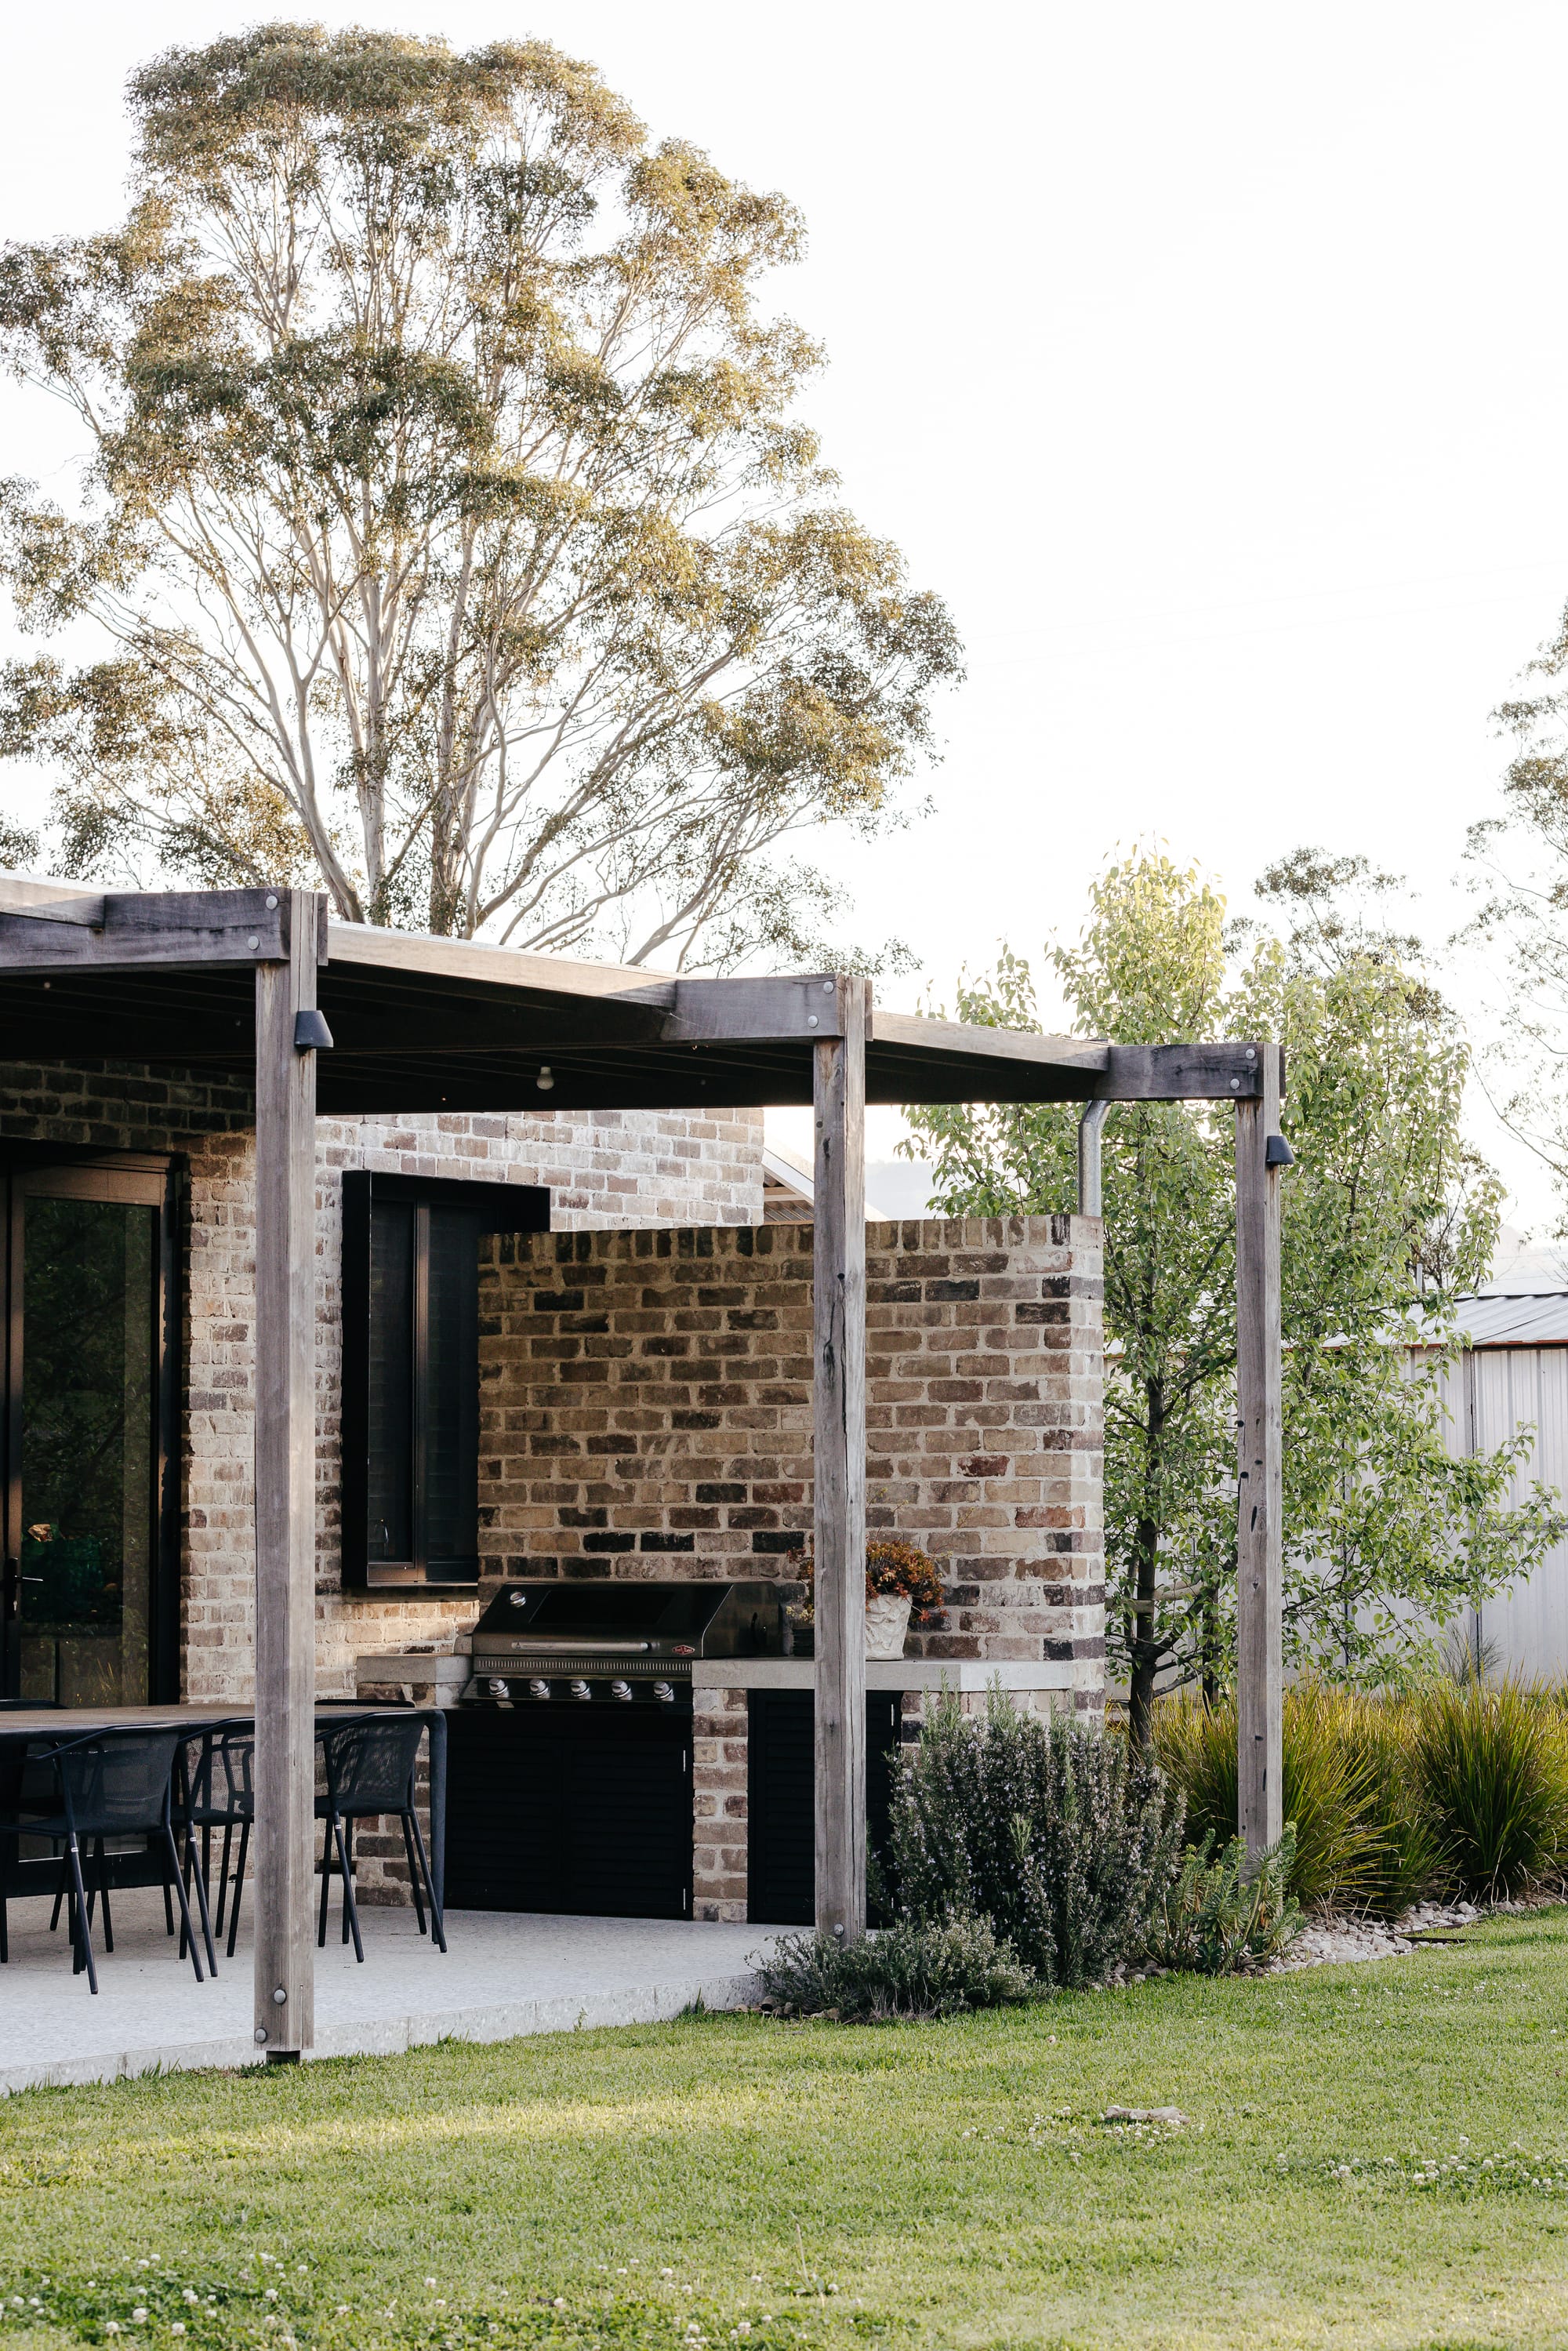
{"x":940,"y":2186}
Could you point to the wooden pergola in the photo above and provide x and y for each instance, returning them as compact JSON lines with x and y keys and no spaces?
{"x":258,"y":985}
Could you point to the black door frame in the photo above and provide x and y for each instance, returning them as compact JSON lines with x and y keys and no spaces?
{"x":152,"y":1179}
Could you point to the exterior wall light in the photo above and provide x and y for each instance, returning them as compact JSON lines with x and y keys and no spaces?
{"x":312,"y":1034}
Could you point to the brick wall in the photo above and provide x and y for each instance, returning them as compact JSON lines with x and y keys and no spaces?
{"x":604,"y":1169}
{"x":646,"y":1410}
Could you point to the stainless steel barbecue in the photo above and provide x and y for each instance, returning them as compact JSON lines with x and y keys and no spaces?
{"x":613,"y":1643}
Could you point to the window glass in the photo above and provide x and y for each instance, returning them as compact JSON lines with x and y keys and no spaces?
{"x":87,"y":1498}
{"x":452,"y":1399}
{"x":389,"y":1501}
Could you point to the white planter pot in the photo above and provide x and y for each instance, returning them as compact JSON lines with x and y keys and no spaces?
{"x":886,"y":1622}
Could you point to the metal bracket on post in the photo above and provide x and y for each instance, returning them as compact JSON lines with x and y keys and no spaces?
{"x":1090,"y":1128}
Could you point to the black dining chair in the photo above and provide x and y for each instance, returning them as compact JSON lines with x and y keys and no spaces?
{"x":221,"y":1795}
{"x":111,"y":1784}
{"x":370,"y":1762}
{"x":13,"y":1773}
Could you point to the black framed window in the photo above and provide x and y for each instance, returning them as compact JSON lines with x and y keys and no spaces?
{"x":90,"y":1319}
{"x":411,"y":1372}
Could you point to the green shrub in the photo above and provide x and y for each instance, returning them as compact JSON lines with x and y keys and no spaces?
{"x":1361,"y":1841}
{"x":935,"y":1969}
{"x":1491,"y":1769}
{"x":1213,"y":1920}
{"x":1050,"y":1829}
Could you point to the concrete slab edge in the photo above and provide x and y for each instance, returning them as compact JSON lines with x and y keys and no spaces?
{"x":390,"y":2036}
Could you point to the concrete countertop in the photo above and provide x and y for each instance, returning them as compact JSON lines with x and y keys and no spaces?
{"x":450,"y":1673}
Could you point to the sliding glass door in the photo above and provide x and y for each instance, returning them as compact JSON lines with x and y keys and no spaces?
{"x":91,"y":1597}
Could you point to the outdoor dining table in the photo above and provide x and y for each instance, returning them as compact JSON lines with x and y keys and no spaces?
{"x":57,"y":1723}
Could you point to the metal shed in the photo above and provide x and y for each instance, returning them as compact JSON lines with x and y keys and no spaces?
{"x":1513,"y":1374}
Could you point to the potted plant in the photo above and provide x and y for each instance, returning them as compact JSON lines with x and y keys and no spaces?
{"x":900,"y":1581}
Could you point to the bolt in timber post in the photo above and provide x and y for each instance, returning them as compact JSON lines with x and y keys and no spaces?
{"x":286,"y":1047}
{"x":1259,"y":1406}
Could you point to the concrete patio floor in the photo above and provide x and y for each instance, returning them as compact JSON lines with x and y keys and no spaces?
{"x":503,"y":1974}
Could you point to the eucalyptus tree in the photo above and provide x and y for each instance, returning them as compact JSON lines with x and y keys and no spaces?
{"x":1519,"y":867}
{"x":1387,"y":1214}
{"x":446,"y":529}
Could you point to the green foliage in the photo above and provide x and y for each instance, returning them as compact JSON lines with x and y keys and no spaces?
{"x":931,"y":1968}
{"x":1449,"y":1786}
{"x":1491,"y":1766}
{"x":1386,"y":1214}
{"x":1325,"y":1795}
{"x":1361,"y":1838}
{"x":447,"y":531}
{"x":1054,"y":1831}
{"x":1216,"y":1920}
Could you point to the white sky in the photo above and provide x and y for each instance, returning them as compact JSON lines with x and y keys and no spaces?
{"x":1208,"y":359}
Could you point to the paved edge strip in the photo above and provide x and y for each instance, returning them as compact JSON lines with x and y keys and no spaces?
{"x":390,"y":2036}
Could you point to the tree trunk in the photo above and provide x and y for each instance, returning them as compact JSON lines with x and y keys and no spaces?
{"x":1144,"y":1655}
{"x":1144,"y":1652}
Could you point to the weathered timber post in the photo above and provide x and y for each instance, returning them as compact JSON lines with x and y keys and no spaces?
{"x":286,"y":1488}
{"x":838,"y":1393}
{"x":1258,"y":1556}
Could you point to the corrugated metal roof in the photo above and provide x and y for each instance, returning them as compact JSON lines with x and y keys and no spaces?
{"x":1514,"y":1317}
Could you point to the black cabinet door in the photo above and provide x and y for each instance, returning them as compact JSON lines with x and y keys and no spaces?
{"x":781,"y":1877}
{"x":585,"y":1811}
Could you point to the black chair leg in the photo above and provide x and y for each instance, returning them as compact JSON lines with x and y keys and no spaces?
{"x":437,"y":1919}
{"x":83,"y":1955}
{"x":347,"y":1833}
{"x":202,"y":1911}
{"x":168,"y":1913}
{"x":103,"y":1895}
{"x":60,"y":1891}
{"x":412,"y":1870}
{"x":326,"y":1884}
{"x":188,"y":1937}
{"x":350,"y":1908}
{"x":222,"y":1873}
{"x":239,"y":1882}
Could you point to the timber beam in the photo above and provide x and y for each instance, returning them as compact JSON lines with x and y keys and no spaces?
{"x":60,"y":931}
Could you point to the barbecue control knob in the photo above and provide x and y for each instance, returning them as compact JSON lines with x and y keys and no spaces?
{"x":517,"y":1599}
{"x":620,"y":1689}
{"x":498,"y":1689}
{"x":663,"y":1693}
{"x":581,"y":1689}
{"x":538,"y":1689}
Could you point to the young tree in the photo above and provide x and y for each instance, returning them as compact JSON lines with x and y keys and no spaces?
{"x":1387,"y":1214}
{"x":446,"y":528}
{"x":1520,"y":866}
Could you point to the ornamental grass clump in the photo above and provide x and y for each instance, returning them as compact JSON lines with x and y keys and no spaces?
{"x":1491,"y":1769}
{"x":1362,"y":1839}
{"x":1063,"y":1838}
{"x":938,"y":1967}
